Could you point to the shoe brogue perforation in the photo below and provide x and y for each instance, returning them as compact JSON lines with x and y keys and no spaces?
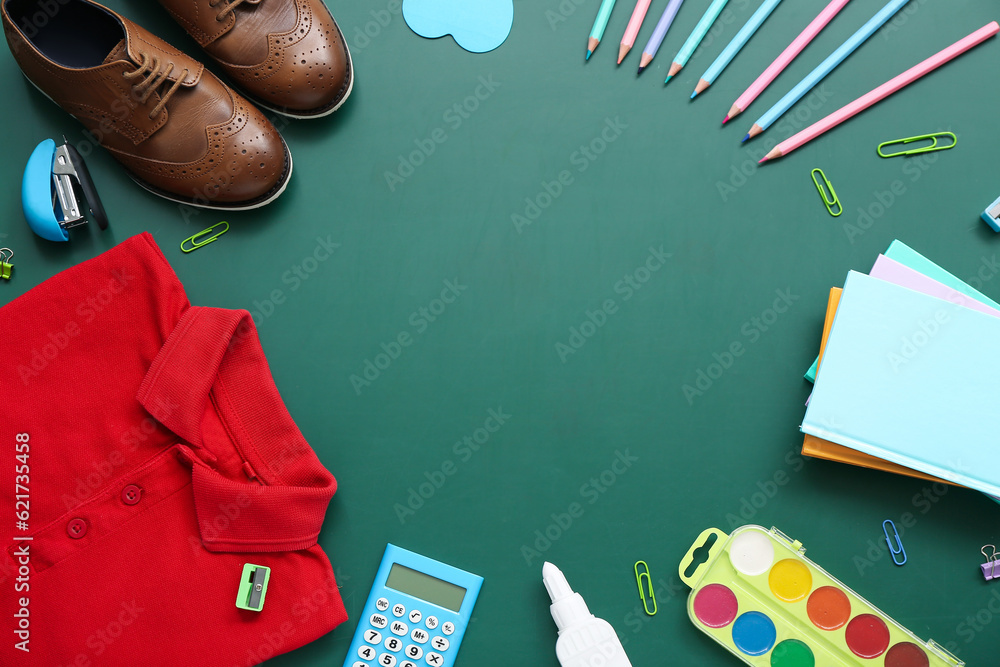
{"x":178,"y":131}
{"x":287,"y":55}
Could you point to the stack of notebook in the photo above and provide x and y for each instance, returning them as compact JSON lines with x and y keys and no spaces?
{"x":907,"y":377}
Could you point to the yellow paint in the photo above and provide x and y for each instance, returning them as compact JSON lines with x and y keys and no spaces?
{"x":790,"y":580}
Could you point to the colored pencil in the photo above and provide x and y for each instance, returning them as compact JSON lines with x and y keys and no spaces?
{"x":600,"y":25}
{"x":632,"y":31}
{"x":786,"y":57}
{"x":694,"y":39}
{"x":659,"y":33}
{"x":825,"y":67}
{"x":734,"y":46}
{"x":883,"y":91}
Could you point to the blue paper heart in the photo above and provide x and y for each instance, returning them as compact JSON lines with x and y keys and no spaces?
{"x":477,"y":25}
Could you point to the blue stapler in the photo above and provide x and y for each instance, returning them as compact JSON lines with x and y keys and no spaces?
{"x":54,"y":180}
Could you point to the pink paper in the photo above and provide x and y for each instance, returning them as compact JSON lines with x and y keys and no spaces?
{"x":893,"y":272}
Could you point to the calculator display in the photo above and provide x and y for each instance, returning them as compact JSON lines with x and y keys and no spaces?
{"x":425,"y":587}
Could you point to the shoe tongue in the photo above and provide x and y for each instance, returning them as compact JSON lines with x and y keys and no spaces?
{"x":120,"y":52}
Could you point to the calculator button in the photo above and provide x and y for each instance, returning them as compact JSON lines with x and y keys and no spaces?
{"x":440,"y":643}
{"x":387,"y":660}
{"x":419,"y":636}
{"x":373,"y":637}
{"x":399,"y":628}
{"x":414,"y":651}
{"x":398,"y":610}
{"x":378,"y":620}
{"x":393,"y":644}
{"x":447,"y":627}
{"x":407,"y":663}
{"x":382,"y":604}
{"x":366,"y":653}
{"x":415,"y":616}
{"x":358,"y":663}
{"x":431,"y":622}
{"x":434,"y":659}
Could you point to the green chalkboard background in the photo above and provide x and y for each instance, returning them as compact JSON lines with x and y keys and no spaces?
{"x":663,"y":186}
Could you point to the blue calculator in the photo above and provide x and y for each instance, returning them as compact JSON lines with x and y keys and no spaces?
{"x":416,"y":613}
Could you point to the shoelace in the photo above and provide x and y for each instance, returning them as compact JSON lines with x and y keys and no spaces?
{"x":233,"y":4}
{"x":155,"y":77}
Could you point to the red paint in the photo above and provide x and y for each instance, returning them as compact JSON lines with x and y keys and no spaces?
{"x":867,"y":636}
{"x":906,"y":654}
{"x":715,"y":606}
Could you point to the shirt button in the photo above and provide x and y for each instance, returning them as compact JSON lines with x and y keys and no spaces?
{"x":76,"y":528}
{"x":131,"y":494}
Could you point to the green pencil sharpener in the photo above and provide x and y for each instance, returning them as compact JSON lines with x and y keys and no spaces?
{"x":253,"y":587}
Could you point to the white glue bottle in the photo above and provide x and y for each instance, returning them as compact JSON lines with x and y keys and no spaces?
{"x":584,"y":639}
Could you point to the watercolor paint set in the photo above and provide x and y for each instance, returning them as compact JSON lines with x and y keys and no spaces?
{"x":770,"y":606}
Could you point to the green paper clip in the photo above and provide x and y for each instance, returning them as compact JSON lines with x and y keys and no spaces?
{"x":831,"y":201}
{"x":6,"y":254}
{"x":253,"y":587}
{"x":196,"y":241}
{"x":925,"y":149}
{"x":643,"y":589}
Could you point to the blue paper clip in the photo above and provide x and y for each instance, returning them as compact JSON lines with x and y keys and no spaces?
{"x":896,"y":550}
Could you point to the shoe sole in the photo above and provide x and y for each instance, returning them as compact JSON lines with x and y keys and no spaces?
{"x":305,"y":115}
{"x":263,"y":200}
{"x":267,"y":198}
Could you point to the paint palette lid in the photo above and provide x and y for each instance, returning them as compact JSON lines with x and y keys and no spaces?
{"x":755,"y":593}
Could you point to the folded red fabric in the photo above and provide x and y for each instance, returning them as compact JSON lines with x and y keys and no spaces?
{"x":148,"y":451}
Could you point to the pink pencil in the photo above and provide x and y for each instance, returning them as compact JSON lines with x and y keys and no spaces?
{"x":632,"y":30}
{"x":786,"y":57}
{"x":883,"y":91}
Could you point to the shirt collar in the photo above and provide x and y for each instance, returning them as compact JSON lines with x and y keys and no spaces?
{"x":213,"y":361}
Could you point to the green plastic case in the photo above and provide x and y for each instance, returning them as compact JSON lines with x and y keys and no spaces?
{"x":741,"y":591}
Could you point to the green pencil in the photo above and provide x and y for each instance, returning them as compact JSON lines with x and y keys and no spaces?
{"x":600,"y":24}
{"x":695,"y":38}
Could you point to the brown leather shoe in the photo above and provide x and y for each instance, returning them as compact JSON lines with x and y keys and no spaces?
{"x":179,"y":131}
{"x":286,"y":55}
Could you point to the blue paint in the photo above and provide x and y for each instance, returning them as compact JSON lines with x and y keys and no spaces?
{"x":754,"y":633}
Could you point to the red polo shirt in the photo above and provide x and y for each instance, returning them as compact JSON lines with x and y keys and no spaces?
{"x":145,"y":456}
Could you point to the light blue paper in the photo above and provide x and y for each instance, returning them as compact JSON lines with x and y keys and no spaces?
{"x":911,"y":379}
{"x":907,"y":256}
{"x":477,"y":25}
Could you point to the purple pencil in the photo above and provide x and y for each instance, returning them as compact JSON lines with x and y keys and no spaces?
{"x":659,"y":33}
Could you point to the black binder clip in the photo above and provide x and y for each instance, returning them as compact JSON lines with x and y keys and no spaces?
{"x":54,"y":180}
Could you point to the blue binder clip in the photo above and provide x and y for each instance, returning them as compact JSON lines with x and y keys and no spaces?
{"x":54,"y":180}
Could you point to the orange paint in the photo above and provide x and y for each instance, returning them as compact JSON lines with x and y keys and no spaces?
{"x":828,"y":608}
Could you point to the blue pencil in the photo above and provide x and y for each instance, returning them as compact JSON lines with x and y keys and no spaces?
{"x":739,"y":41}
{"x":659,"y":33}
{"x":825,"y":67}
